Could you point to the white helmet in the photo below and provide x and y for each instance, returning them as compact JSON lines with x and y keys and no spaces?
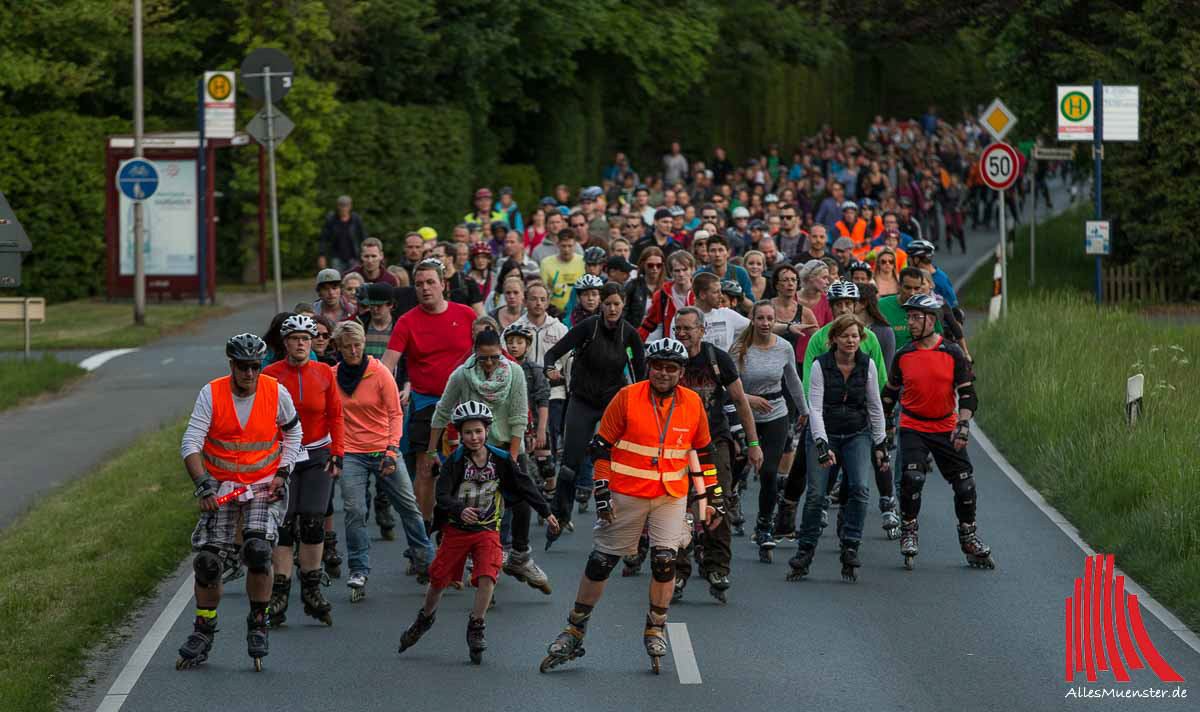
{"x":842,"y":290}
{"x":298,"y":322}
{"x":740,"y":212}
{"x":666,"y":350}
{"x":471,"y":410}
{"x":588,"y":281}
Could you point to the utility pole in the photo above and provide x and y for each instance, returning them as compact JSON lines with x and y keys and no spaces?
{"x":139,"y":257}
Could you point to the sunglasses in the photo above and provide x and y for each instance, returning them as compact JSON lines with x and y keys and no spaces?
{"x":494,"y":357}
{"x":322,"y":335}
{"x":247,"y":366}
{"x":654,"y":265}
{"x":666,"y":367}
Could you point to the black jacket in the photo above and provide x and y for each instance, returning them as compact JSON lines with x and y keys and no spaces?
{"x":515,"y":486}
{"x":598,"y":371}
{"x":341,"y":239}
{"x":636,"y":294}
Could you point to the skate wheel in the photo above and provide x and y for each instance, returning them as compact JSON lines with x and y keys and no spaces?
{"x":547,"y":664}
{"x":181,"y":663}
{"x":892,"y":534}
{"x":654,"y":665}
{"x":908,"y":562}
{"x":325,"y":580}
{"x":544,"y":588}
{"x":258,"y":665}
{"x":326,"y":619}
{"x":476,"y":657}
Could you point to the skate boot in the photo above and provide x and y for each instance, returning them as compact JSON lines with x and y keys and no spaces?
{"x":476,"y":643}
{"x":889,"y":519}
{"x":419,"y":627}
{"x":256,"y":636}
{"x":569,"y":643}
{"x":677,"y":594}
{"x":850,"y":561}
{"x":800,"y":563}
{"x":785,"y":519}
{"x":655,"y":638}
{"x":330,"y":556}
{"x":281,"y":590}
{"x":737,"y":519}
{"x":233,"y":569}
{"x":196,"y":648}
{"x":763,"y":540}
{"x":718,"y":584}
{"x":520,"y":565}
{"x":358,"y":587}
{"x":908,"y":542}
{"x":315,"y":604}
{"x":979,"y":555}
{"x":385,"y":517}
{"x":582,"y":497}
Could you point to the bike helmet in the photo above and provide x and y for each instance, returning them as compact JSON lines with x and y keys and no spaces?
{"x":480,"y":248}
{"x":841,"y":290}
{"x":588,"y":281}
{"x":594,"y":256}
{"x":923,"y":303}
{"x":867,"y":203}
{"x":246,"y":347}
{"x":471,"y":410}
{"x":519,"y":329}
{"x":850,"y":205}
{"x":731,"y":288}
{"x":666,"y":350}
{"x":298,"y":322}
{"x":859,"y":266}
{"x":920,"y":248}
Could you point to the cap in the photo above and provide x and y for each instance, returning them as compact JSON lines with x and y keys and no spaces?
{"x":740,"y":212}
{"x":700,"y":235}
{"x":427,"y":233}
{"x":771,"y":198}
{"x":343,"y":200}
{"x":758,"y":225}
{"x":676,"y":211}
{"x":375,"y":293}
{"x":473,"y":226}
{"x":661,"y":213}
{"x":591,"y":192}
{"x":328,"y":275}
{"x":506,"y":190}
{"x":849,"y":205}
{"x":483,"y":193}
{"x":549,"y":201}
{"x":641,"y":187}
{"x":618,"y":262}
{"x":843,"y":243}
{"x":499,"y":225}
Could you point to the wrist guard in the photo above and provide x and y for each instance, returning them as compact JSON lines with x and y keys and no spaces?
{"x":206,"y":487}
{"x":962,"y":431}
{"x":603,"y":496}
{"x":824,"y":456}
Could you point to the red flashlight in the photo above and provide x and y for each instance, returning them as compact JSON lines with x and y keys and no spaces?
{"x":231,"y":496}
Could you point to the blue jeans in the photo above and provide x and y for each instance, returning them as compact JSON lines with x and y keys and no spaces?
{"x":356,"y":473}
{"x":853,"y":453}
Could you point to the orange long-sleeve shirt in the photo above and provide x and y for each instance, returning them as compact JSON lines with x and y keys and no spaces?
{"x":372,"y":413}
{"x":318,"y":402}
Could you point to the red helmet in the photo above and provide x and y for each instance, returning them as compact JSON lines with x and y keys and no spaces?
{"x":481,"y":248}
{"x":483,"y":193}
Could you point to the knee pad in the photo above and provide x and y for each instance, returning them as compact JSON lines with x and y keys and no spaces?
{"x":286,"y":536}
{"x":312,"y":529}
{"x":256,"y":552}
{"x":600,"y":565}
{"x":207,"y":566}
{"x":662,"y":564}
{"x":913,"y":479}
{"x":964,"y":488}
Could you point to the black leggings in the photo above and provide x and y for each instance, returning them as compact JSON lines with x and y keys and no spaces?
{"x":521,"y":516}
{"x":772,"y":436}
{"x":581,"y":420}
{"x":309,"y":491}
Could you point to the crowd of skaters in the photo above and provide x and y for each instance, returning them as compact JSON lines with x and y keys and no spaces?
{"x":800,"y":297}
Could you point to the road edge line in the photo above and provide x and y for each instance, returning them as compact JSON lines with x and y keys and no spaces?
{"x":684,"y":655}
{"x":91,"y":363}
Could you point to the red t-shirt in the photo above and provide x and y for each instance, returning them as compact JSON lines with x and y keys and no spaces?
{"x":929,"y":380}
{"x":435,"y":344}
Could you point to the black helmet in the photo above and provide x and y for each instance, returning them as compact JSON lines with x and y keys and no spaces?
{"x":859,"y":266}
{"x":519,"y":329}
{"x":594,"y":256}
{"x":731,"y":288}
{"x":923,"y":303}
{"x":245,"y":347}
{"x":920,"y":248}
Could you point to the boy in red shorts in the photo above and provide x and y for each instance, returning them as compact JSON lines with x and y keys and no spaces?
{"x":475,"y":482}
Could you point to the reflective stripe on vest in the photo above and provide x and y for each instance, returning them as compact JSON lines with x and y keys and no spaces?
{"x":646,"y":474}
{"x":248,"y":453}
{"x":649,"y":451}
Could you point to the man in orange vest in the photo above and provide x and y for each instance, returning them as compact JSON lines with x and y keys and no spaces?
{"x":851,"y":225}
{"x":653,"y":442}
{"x":244,"y":434}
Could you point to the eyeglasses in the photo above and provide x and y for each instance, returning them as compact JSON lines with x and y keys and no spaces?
{"x":887,"y":262}
{"x":247,"y":366}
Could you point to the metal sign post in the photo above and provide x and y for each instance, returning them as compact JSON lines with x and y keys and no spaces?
{"x":139,"y":257}
{"x":274,"y":196}
{"x":998,"y":167}
{"x":1098,"y":154}
{"x":201,"y":186}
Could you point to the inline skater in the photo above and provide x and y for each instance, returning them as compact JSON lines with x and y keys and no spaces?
{"x":605,"y":346}
{"x":845,"y":428}
{"x":477,"y":479}
{"x":311,"y":386}
{"x":243,"y":433}
{"x":712,"y":374}
{"x":929,"y":376}
{"x":546,"y":332}
{"x":644,"y":462}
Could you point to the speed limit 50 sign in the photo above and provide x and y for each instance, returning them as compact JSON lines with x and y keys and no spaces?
{"x":998,"y":166}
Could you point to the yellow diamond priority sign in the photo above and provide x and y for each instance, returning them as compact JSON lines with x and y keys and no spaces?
{"x":998,"y":119}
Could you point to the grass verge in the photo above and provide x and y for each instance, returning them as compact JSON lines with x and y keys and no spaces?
{"x":21,"y":380}
{"x":97,"y":324}
{"x":77,"y":564}
{"x":1061,"y":264}
{"x":1052,"y":384}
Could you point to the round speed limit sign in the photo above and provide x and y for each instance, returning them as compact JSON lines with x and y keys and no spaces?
{"x":998,"y":166}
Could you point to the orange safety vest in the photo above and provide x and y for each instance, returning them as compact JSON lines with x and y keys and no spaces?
{"x":243,"y":454}
{"x":644,"y":462}
{"x":858,"y":233}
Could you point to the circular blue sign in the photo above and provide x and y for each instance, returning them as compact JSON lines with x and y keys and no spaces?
{"x":138,"y":179}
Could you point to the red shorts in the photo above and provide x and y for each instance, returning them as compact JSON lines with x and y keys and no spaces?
{"x":483,"y":547}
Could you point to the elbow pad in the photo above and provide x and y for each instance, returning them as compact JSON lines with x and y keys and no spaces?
{"x":599,"y":448}
{"x":967,"y":398}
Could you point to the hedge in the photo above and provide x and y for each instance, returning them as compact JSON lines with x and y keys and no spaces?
{"x":52,"y":172}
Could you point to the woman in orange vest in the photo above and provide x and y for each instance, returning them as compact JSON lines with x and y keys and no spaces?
{"x":244,"y":435}
{"x":644,"y":462}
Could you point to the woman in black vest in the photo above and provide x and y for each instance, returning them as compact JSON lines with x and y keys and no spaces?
{"x":845,"y":427}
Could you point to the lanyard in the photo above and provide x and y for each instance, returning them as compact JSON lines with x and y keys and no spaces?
{"x":662,"y":438}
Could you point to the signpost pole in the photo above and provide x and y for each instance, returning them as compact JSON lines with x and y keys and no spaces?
{"x":1033,"y":228}
{"x":1003,"y":257}
{"x":274,"y":197}
{"x":202,"y":194}
{"x":1098,"y":155}
{"x":139,"y":258}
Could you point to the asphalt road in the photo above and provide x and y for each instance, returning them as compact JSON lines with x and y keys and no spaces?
{"x":941,"y":637}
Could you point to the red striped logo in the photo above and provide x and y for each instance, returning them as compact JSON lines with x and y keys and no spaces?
{"x":1100,"y":608}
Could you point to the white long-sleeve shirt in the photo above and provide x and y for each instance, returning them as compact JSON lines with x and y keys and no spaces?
{"x":816,"y":404}
{"x":201,"y":419}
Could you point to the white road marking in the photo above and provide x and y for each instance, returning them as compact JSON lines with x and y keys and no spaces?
{"x":681,"y":651}
{"x":168,"y":361}
{"x":145,"y":650}
{"x":91,"y":363}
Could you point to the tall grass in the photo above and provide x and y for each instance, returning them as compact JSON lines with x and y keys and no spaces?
{"x":1051,"y":379}
{"x":21,"y":379}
